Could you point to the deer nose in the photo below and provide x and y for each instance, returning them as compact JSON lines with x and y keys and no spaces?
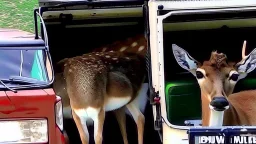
{"x":219,"y":103}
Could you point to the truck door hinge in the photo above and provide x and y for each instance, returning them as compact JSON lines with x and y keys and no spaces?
{"x":155,"y":100}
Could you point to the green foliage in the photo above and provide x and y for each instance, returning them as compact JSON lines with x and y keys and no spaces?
{"x":17,"y":14}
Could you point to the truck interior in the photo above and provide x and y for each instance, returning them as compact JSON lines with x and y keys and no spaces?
{"x":199,"y":35}
{"x":74,"y":31}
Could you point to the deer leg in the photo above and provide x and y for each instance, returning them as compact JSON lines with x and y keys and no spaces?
{"x":82,"y":128}
{"x":98,"y":126}
{"x":121,"y":119}
{"x":138,"y":118}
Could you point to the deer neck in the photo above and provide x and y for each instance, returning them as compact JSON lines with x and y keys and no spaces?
{"x":210,"y":117}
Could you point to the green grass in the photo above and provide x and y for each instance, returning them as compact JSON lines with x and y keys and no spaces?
{"x":17,"y":14}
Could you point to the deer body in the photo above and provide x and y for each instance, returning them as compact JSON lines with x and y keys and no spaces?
{"x":108,"y":79}
{"x":59,"y":86}
{"x":217,"y":78}
{"x":136,"y":44}
{"x":114,"y":100}
{"x":242,"y":109}
{"x":97,"y":83}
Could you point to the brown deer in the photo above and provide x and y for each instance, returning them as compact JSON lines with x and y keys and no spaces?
{"x":117,"y":57}
{"x":217,"y":78}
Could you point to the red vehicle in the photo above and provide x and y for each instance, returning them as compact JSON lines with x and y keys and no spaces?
{"x":30,"y":112}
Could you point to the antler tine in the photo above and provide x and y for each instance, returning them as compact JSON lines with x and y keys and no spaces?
{"x":243,"y":50}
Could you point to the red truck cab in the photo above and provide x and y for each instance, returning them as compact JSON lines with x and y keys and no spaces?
{"x":30,"y":111}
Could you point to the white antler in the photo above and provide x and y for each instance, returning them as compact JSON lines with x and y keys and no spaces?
{"x":243,"y":50}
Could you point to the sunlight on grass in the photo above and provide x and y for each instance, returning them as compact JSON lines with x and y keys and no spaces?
{"x":17,"y":14}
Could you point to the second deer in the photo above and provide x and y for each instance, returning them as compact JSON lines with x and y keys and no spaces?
{"x":104,"y":81}
{"x":217,"y":78}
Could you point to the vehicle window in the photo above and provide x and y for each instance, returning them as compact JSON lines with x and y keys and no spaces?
{"x":38,"y":67}
{"x":27,"y":63}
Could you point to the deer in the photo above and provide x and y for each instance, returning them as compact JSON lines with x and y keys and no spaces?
{"x":217,"y":78}
{"x":132,"y":50}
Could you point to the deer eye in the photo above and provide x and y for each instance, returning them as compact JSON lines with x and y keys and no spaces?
{"x":199,"y":75}
{"x":234,"y":77}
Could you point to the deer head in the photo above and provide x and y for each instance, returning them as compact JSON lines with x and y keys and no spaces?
{"x":216,"y":77}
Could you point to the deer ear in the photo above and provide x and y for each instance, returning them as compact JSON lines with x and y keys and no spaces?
{"x":247,"y":64}
{"x":184,"y":59}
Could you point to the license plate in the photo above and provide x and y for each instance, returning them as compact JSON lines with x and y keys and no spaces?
{"x":9,"y":132}
{"x":223,"y":135}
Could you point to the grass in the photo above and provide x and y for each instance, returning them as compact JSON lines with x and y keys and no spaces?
{"x":17,"y":14}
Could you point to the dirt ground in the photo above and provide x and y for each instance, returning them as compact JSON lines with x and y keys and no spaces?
{"x":14,"y":33}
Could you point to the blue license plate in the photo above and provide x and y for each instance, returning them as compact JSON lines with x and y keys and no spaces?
{"x":222,"y":135}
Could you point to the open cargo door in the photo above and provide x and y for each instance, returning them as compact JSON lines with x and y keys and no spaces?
{"x":199,"y":27}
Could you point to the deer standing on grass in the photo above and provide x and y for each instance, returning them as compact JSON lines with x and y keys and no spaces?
{"x":107,"y":79}
{"x":217,"y":78}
